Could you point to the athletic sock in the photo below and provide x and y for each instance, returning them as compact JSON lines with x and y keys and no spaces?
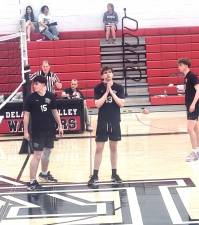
{"x":32,"y":181}
{"x":197,"y":150}
{"x":95,"y":173}
{"x":44,"y":173}
{"x":114,"y":172}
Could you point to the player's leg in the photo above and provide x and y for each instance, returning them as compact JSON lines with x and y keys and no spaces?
{"x":197,"y":134}
{"x":97,"y":163}
{"x":101,"y":138}
{"x":38,"y":147}
{"x":45,"y":175}
{"x":114,"y":136}
{"x":191,"y":128}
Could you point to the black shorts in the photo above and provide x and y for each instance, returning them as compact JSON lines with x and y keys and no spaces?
{"x":193,"y":115}
{"x":108,"y":130}
{"x":39,"y":143}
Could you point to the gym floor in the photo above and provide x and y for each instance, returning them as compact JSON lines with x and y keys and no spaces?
{"x":159,"y":187}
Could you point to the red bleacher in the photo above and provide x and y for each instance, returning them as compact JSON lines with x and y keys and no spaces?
{"x":70,"y":59}
{"x":162,"y":70}
{"x":77,"y":55}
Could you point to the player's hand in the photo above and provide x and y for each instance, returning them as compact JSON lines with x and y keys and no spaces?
{"x":108,"y":88}
{"x":192,"y":108}
{"x":61,"y":131}
{"x":27,"y":136}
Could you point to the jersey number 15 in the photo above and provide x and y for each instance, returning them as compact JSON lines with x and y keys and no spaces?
{"x":43,"y":108}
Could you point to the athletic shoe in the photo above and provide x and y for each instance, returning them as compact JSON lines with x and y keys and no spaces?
{"x":35,"y":186}
{"x":116,"y":179}
{"x":93,"y":180}
{"x":89,"y":128}
{"x":192,"y":157}
{"x":47,"y":178}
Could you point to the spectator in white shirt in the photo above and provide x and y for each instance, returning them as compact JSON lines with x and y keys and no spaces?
{"x":46,"y":26}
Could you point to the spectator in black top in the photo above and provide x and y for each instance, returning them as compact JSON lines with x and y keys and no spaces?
{"x":30,"y":21}
{"x":40,"y":108}
{"x":192,"y":106}
{"x":73,"y":93}
{"x":109,"y":98}
{"x":110,"y":20}
{"x":52,"y":78}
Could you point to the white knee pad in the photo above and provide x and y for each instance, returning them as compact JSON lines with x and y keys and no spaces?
{"x":46,"y":154}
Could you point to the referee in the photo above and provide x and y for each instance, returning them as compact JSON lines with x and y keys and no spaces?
{"x":52,"y":78}
{"x":40,"y":108}
{"x":109,"y":97}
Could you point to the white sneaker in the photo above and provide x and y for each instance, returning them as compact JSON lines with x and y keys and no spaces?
{"x":192,"y":157}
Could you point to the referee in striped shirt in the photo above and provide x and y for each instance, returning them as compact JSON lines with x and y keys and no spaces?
{"x":52,"y":78}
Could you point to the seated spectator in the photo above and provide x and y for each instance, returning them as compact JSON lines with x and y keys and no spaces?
{"x":73,"y":93}
{"x":30,"y":21}
{"x":110,"y":20}
{"x":47,"y":27}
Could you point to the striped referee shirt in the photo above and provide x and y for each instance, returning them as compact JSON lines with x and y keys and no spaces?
{"x":51,"y":78}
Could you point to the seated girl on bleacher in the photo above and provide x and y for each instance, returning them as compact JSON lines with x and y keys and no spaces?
{"x":30,"y":21}
{"x":47,"y":27}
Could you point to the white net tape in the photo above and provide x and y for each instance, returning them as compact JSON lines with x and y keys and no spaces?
{"x":10,"y":36}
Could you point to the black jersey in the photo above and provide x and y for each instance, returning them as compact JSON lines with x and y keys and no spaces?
{"x":190,"y":81}
{"x":109,"y":111}
{"x":42,"y":120}
{"x":74,"y":93}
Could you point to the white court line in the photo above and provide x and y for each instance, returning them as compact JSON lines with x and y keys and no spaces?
{"x":134,"y":207}
{"x":10,"y":182}
{"x":178,"y":181}
{"x":171,"y":207}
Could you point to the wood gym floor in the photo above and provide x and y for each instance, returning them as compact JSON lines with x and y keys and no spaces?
{"x":159,"y":187}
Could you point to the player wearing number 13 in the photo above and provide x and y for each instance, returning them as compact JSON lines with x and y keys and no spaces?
{"x":109,"y":97}
{"x":40,"y":107}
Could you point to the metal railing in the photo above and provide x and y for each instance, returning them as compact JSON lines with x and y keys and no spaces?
{"x":128,"y":47}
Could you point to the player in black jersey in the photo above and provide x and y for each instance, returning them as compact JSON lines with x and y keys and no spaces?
{"x":192,"y":106}
{"x":109,"y":97}
{"x":40,"y":108}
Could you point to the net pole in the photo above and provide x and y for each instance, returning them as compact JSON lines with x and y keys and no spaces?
{"x":23,"y":45}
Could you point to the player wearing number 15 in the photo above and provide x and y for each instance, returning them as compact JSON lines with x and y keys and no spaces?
{"x":40,"y":108}
{"x":109,"y":97}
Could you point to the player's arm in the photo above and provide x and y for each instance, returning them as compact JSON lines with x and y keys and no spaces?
{"x":119,"y":101}
{"x":196,"y":98}
{"x":99,"y":102}
{"x":58,"y":120}
{"x":26,"y":120}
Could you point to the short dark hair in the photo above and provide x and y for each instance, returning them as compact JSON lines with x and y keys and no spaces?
{"x":185,"y":61}
{"x":111,"y":5}
{"x":105,"y":69}
{"x":40,"y":79}
{"x":43,"y":8}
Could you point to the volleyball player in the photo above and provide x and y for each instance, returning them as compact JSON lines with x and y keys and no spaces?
{"x":109,"y":97}
{"x":40,"y":108}
{"x":192,"y":106}
{"x":53,"y":81}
